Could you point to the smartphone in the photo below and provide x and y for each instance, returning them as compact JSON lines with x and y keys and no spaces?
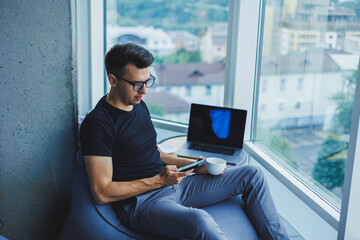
{"x":192,"y":165}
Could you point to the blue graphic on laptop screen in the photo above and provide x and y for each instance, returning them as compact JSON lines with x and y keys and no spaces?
{"x":220,"y":122}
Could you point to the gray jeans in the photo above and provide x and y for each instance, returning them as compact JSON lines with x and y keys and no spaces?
{"x":173,"y":211}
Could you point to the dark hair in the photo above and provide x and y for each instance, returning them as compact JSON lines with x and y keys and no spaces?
{"x":129,"y":53}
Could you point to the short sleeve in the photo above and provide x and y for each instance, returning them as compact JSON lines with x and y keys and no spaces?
{"x":96,"y":138}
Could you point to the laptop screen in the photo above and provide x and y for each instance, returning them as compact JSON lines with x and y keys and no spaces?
{"x":217,"y":125}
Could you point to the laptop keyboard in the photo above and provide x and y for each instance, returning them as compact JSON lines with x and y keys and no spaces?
{"x":212,"y":149}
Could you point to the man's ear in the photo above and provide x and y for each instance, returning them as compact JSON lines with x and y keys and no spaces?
{"x":112,"y":80}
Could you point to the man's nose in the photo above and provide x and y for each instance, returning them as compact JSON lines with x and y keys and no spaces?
{"x":143,"y":90}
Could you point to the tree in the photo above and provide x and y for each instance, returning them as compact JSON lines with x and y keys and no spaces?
{"x":275,"y":141}
{"x":180,"y":56}
{"x":352,"y":5}
{"x":194,"y":16}
{"x":345,"y":101}
{"x":156,"y":109}
{"x":329,"y":169}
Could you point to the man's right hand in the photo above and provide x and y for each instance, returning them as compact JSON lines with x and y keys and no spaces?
{"x":169,"y":175}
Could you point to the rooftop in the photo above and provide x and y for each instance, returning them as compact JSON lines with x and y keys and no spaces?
{"x":170,"y":102}
{"x":314,"y":61}
{"x":183,"y":36}
{"x":190,"y":74}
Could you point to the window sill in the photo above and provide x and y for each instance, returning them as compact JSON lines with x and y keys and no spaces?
{"x":168,"y":125}
{"x":313,"y":200}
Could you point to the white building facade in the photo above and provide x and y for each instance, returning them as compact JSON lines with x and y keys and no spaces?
{"x":157,"y":41}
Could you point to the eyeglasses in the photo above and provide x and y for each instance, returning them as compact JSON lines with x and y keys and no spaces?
{"x":137,"y":86}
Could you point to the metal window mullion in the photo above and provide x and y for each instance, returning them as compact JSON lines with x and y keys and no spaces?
{"x":242,"y":66}
{"x":83,"y":51}
{"x":96,"y":50}
{"x":231,"y":52}
{"x":106,"y":84}
{"x":350,"y":210}
{"x":255,"y":105}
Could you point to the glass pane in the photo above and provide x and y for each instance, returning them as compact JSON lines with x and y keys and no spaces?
{"x":309,"y":65}
{"x":188,"y":40}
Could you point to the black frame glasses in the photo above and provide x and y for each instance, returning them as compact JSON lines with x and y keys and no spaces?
{"x":138,"y":85}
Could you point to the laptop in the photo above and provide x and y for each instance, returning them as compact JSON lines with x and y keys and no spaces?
{"x":215,"y":132}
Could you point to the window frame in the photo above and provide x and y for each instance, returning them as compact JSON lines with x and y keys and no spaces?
{"x":90,"y":48}
{"x":350,"y":211}
{"x":241,"y":90}
{"x":327,"y":211}
{"x":316,"y":202}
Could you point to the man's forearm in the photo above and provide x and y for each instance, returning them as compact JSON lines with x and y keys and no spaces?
{"x":117,"y":191}
{"x":174,"y":160}
{"x":104,"y":190}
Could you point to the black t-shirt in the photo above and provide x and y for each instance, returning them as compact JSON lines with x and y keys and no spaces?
{"x":128,"y":137}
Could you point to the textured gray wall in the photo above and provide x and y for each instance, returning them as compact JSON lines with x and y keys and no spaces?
{"x":37,"y":117}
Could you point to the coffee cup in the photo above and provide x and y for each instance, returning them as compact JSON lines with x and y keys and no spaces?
{"x":215,"y":166}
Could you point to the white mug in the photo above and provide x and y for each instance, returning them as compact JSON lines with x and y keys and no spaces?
{"x":215,"y":166}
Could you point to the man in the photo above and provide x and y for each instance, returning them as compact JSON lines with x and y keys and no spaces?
{"x":146,"y":190}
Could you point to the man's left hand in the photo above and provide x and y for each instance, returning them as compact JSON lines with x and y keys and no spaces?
{"x":202,"y":169}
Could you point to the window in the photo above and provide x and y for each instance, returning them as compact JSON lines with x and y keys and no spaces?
{"x":264,"y":85}
{"x":281,"y":106}
{"x":188,"y":40}
{"x":302,"y":36}
{"x":188,"y":91}
{"x":300,"y":84}
{"x":282,"y":84}
{"x":263,"y":107}
{"x":311,"y":139}
{"x":208,"y":90}
{"x":268,"y":130}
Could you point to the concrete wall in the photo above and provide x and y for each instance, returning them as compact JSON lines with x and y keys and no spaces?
{"x":37,"y":117}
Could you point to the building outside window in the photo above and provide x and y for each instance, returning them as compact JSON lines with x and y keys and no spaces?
{"x":312,"y":138}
